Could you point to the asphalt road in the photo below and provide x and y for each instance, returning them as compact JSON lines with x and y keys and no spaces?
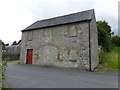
{"x":29,"y":76}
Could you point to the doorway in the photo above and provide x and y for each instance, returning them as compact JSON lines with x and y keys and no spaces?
{"x":29,"y":56}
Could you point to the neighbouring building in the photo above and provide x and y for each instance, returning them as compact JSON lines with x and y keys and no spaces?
{"x":68,"y":41}
{"x":12,"y":52}
{"x":14,"y":49}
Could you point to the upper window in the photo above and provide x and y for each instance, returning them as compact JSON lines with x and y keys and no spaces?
{"x":72,"y":31}
{"x":30,"y":36}
{"x":47,"y":36}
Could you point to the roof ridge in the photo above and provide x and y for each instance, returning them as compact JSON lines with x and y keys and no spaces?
{"x":61,"y":20}
{"x":65,"y":15}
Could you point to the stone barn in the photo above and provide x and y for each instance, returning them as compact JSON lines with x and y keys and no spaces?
{"x":68,"y":41}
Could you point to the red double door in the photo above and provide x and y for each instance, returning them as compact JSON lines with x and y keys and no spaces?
{"x":29,"y":56}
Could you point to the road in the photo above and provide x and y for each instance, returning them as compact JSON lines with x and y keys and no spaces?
{"x":30,"y":76}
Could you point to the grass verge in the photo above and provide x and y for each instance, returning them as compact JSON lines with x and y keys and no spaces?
{"x":109,"y":60}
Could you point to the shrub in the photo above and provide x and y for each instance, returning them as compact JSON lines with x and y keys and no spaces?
{"x":116,"y":40}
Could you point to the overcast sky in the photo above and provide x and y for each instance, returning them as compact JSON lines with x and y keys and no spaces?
{"x":15,"y":15}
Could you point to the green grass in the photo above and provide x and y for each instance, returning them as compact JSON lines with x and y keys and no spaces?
{"x":110,"y":59}
{"x":10,"y":60}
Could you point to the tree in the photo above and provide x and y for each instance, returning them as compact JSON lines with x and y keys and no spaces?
{"x":3,"y":44}
{"x":105,"y":25}
{"x":104,"y":35}
{"x":7,"y":44}
{"x":116,"y":40}
{"x":19,"y":42}
{"x":14,"y":43}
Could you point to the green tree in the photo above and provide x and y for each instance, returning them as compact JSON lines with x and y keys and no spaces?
{"x":105,"y":25}
{"x":116,"y":40}
{"x":19,"y":42}
{"x":104,"y":35}
{"x":7,"y":44}
{"x":14,"y":43}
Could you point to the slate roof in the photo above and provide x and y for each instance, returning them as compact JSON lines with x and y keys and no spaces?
{"x":61,"y":20}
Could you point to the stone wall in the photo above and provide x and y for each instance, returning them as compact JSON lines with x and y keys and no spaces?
{"x":61,"y":46}
{"x":94,"y":43}
{"x":0,"y":50}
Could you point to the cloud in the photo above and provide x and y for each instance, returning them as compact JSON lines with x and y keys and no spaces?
{"x":12,"y":20}
{"x":18,"y":14}
{"x":108,"y":10}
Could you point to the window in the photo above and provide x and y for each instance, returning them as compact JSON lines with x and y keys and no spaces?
{"x":73,"y":55}
{"x":63,"y":54}
{"x":47,"y":36}
{"x":30,"y":36}
{"x":72,"y":34}
{"x":72,"y":31}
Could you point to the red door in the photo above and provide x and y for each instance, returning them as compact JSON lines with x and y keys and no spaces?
{"x":29,"y":56}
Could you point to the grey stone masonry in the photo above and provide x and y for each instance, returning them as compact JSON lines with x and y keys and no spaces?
{"x":0,"y":50}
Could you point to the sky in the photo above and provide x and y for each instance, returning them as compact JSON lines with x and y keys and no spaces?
{"x":16,"y":15}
